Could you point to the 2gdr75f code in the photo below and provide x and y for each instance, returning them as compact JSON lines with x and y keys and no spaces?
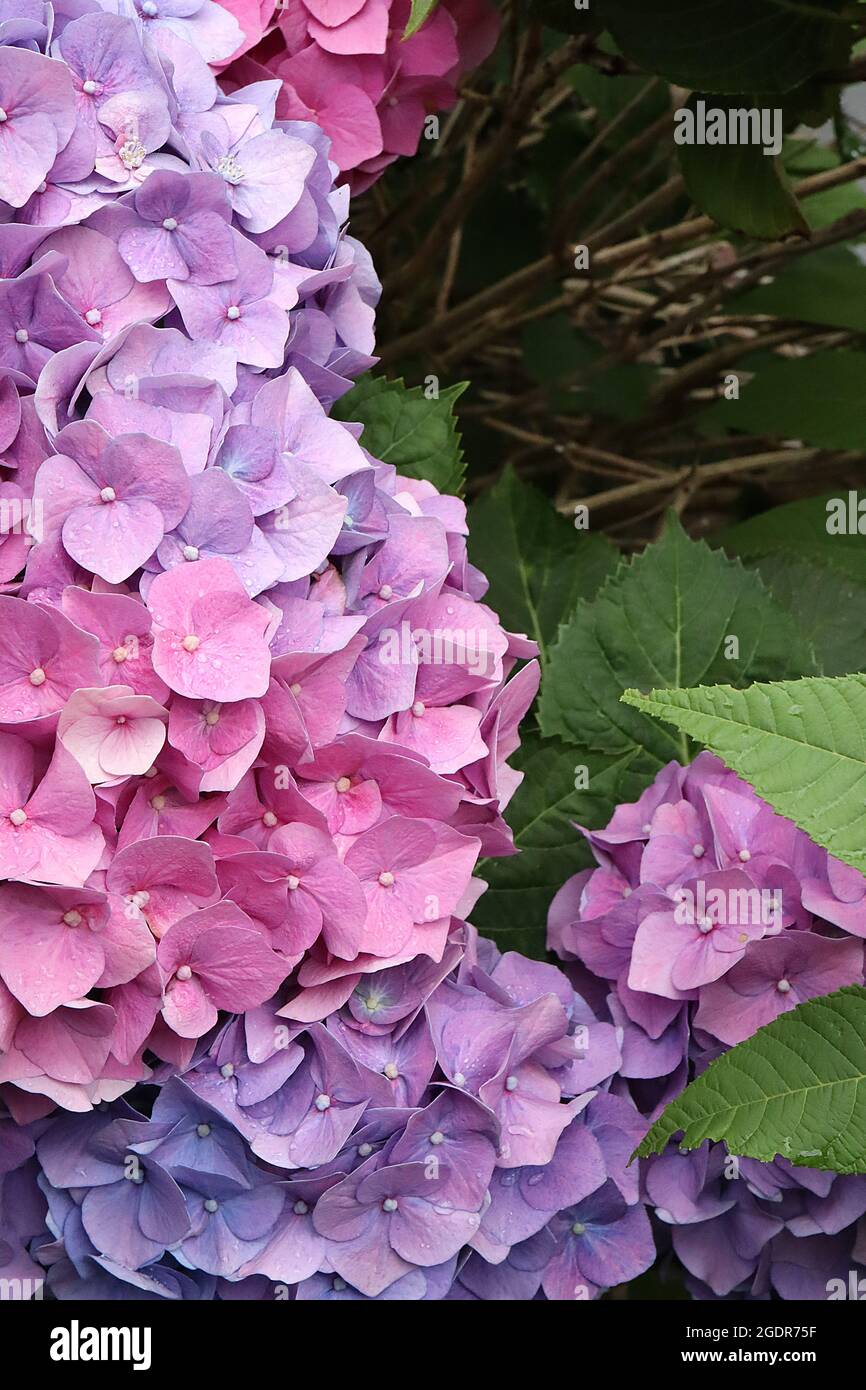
{"x":742,"y":1334}
{"x":781,"y":1332}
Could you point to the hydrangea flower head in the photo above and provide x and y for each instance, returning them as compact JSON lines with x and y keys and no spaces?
{"x":343,"y":1159}
{"x":707,"y":917}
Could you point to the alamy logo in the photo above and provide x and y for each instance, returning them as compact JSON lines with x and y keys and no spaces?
{"x":846,"y":516}
{"x":22,"y":516}
{"x":854,"y":1290}
{"x":21,"y":1290}
{"x":441,"y":646}
{"x":77,"y":1343}
{"x":714,"y":125}
{"x":737,"y":907}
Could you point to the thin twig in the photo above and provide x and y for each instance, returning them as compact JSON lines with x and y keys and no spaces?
{"x":709,"y":471}
{"x":628,"y":465}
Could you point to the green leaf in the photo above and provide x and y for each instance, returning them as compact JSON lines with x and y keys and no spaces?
{"x":828,"y":286}
{"x":402,"y":426}
{"x":818,"y":399}
{"x":725,"y":45}
{"x":800,"y":744}
{"x":799,"y":530}
{"x":829,"y":608}
{"x":796,"y":1088}
{"x":741,"y":188}
{"x":537,"y":563}
{"x":805,"y":157}
{"x":666,"y":616}
{"x":418,"y":15}
{"x":542,"y":814}
{"x":823,"y":209}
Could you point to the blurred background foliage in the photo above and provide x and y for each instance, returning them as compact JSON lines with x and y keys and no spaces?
{"x":600,"y":377}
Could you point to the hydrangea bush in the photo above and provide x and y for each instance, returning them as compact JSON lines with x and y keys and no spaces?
{"x":254,"y":721}
{"x":707,"y":917}
{"x":256,"y":724}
